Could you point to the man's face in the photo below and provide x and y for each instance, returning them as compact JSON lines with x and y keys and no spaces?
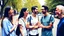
{"x":58,"y":11}
{"x":35,"y":11}
{"x":43,"y":10}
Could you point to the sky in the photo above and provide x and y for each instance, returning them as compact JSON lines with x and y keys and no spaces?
{"x":41,"y":2}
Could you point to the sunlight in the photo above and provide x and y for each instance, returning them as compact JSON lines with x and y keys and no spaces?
{"x":42,"y":2}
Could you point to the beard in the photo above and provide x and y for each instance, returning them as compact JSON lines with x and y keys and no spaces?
{"x":44,"y":12}
{"x":35,"y":13}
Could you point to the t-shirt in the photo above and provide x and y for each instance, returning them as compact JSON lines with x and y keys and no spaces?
{"x":7,"y":26}
{"x":46,"y":20}
{"x":34,"y":20}
{"x":21,"y":21}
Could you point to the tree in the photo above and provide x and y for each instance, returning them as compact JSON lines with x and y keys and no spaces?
{"x":30,"y":3}
{"x":53,"y":3}
{"x":16,"y":4}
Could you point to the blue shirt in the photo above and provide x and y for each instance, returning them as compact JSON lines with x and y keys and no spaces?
{"x":60,"y":28}
{"x":46,"y":20}
{"x":7,"y":26}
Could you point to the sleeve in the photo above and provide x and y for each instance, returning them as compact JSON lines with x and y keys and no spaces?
{"x":20,"y":21}
{"x":28,"y":19}
{"x":5,"y":27}
{"x":52,"y":19}
{"x":61,"y":29}
{"x":41,"y":20}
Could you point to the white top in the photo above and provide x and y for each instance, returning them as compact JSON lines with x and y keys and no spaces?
{"x":21,"y":21}
{"x":34,"y":20}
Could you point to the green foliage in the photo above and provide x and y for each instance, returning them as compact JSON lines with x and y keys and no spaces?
{"x":30,"y":3}
{"x":53,"y":3}
{"x":18,"y":4}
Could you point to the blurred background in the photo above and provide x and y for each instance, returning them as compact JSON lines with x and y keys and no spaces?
{"x":18,"y":4}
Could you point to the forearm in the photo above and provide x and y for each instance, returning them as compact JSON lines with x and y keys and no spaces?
{"x":21,"y":32}
{"x":13,"y":28}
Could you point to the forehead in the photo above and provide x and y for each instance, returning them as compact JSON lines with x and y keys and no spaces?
{"x":42,"y":8}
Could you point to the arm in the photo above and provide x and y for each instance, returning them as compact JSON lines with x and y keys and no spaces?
{"x":5,"y":27}
{"x":50,"y":24}
{"x":21,"y":30}
{"x":28,"y":25}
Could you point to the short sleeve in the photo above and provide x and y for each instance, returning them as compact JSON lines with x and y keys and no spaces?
{"x":52,"y":19}
{"x":20,"y":21}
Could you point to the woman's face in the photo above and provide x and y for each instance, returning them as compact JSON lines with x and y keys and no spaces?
{"x":26,"y":13}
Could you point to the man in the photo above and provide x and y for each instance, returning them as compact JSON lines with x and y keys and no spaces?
{"x":47,"y":21}
{"x":60,"y":27}
{"x":58,"y":11}
{"x":33,"y":22}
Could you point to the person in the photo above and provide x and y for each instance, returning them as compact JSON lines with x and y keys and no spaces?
{"x":60,"y":26}
{"x":23,"y":21}
{"x":33,"y":22}
{"x":58,"y":11}
{"x":47,"y":21}
{"x":8,"y":28}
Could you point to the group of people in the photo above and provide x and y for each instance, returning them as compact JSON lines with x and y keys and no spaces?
{"x":28,"y":25}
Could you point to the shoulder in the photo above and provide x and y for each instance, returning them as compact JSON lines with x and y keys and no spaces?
{"x":20,"y":19}
{"x":5,"y":20}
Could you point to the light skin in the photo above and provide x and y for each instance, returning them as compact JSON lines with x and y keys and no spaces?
{"x":15,"y":25}
{"x":33,"y":26}
{"x":49,"y":26}
{"x":25,"y":15}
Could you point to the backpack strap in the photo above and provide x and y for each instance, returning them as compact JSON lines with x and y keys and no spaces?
{"x":30,"y":20}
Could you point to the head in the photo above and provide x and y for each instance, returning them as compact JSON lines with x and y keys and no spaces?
{"x":62,"y":13}
{"x":9,"y":12}
{"x":44,"y":9}
{"x":34,"y":9}
{"x":23,"y":13}
{"x":58,"y":9}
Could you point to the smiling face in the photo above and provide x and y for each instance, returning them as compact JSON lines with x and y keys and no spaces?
{"x":58,"y":11}
{"x":26,"y":13}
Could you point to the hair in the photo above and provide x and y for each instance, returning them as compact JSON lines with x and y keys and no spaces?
{"x":45,"y":7}
{"x":7,"y":9}
{"x":6,"y":14}
{"x":22,"y":12}
{"x":33,"y":8}
{"x":60,"y":7}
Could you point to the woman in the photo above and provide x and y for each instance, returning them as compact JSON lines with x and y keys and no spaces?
{"x":23,"y":21}
{"x":8,"y":28}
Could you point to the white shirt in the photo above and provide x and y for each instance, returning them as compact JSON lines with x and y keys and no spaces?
{"x":34,"y":20}
{"x":21,"y":21}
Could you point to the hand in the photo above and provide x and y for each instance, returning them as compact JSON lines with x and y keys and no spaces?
{"x":41,"y":26}
{"x":35,"y":27}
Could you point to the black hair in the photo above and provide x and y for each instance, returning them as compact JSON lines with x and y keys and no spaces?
{"x":22,"y":12}
{"x":45,"y":7}
{"x":6,"y":13}
{"x":33,"y":8}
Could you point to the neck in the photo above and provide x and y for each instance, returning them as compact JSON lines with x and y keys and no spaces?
{"x":24,"y":17}
{"x":34,"y":15}
{"x":45,"y":14}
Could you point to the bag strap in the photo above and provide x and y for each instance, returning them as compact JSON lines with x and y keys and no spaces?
{"x":50,"y":18}
{"x":24,"y":22}
{"x":30,"y":20}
